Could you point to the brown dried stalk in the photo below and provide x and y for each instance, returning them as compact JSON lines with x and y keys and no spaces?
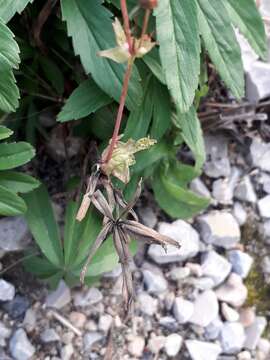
{"x":122,"y":229}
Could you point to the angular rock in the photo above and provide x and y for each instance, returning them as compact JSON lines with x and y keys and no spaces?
{"x":232,"y":337}
{"x":260,"y":154}
{"x":195,"y":269}
{"x":173,"y":344}
{"x":105,"y":323}
{"x":265,"y":180}
{"x":229,"y":313}
{"x":92,"y":297}
{"x":155,"y":282}
{"x":169,"y":323}
{"x":219,"y":228}
{"x":4,"y":331}
{"x":199,"y":188}
{"x":30,"y":319}
{"x":265,"y":229}
{"x":266,"y":265}
{"x":49,"y":335}
{"x":148,"y":305}
{"x":183,"y":233}
{"x":223,"y":189}
{"x":179,"y":273}
{"x":239,"y":213}
{"x":241,"y":262}
{"x":264,"y":206}
{"x":17,"y":307}
{"x":182,"y":310}
{"x":59,"y":297}
{"x":257,"y":81}
{"x":90,"y":338}
{"x":233,"y":292}
{"x":215,"y":266}
{"x":7,"y":291}
{"x":254,"y":332}
{"x":14,"y":234}
{"x":202,"y":283}
{"x":244,"y":355}
{"x":217,"y":162}
{"x":136,"y":346}
{"x":247,"y":316}
{"x":20,"y":347}
{"x":211,"y":331}
{"x":244,"y":191}
{"x":67,"y":351}
{"x":156,"y":343}
{"x":201,"y":350}
{"x":78,"y":319}
{"x":264,"y":347}
{"x":208,"y":302}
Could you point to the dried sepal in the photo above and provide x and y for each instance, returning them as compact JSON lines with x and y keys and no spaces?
{"x":122,"y":203}
{"x":102,"y":205}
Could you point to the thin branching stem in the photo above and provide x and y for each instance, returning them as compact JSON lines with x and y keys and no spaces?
{"x":126,"y":25}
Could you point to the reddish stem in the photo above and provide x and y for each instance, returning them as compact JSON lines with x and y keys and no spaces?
{"x":126,"y":25}
{"x":120,"y":111}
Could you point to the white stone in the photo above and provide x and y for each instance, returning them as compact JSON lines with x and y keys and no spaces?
{"x":67,"y":352}
{"x":49,"y":335}
{"x":184,"y":234}
{"x":136,"y":346}
{"x":7,"y":291}
{"x":156,"y":343}
{"x":215,"y":266}
{"x":59,"y":297}
{"x":155,"y":283}
{"x":265,"y":181}
{"x":195,"y":269}
{"x":241,"y":262}
{"x":264,"y":346}
{"x":199,"y":188}
{"x":148,"y":305}
{"x":90,"y":338}
{"x":229,"y":313}
{"x":223,"y":189}
{"x":113,"y":274}
{"x":202,"y":283}
{"x":211,"y":331}
{"x":205,"y":309}
{"x":182,"y":310}
{"x":244,"y":355}
{"x":248,"y":54}
{"x":244,"y":191}
{"x":233,"y":292}
{"x":173,"y":344}
{"x":266,"y":264}
{"x":4,"y":331}
{"x":201,"y":350}
{"x":260,"y":154}
{"x":20,"y":347}
{"x":232,"y":337}
{"x":78,"y":319}
{"x":219,"y":228}
{"x":179,"y":273}
{"x":105,"y":323}
{"x":266,"y":231}
{"x":217,"y":163}
{"x":14,"y":234}
{"x":257,"y":81}
{"x":92,"y":297}
{"x":239,"y":213}
{"x":254,"y":332}
{"x":264,"y":206}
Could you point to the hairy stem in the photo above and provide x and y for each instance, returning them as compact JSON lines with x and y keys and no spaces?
{"x":120,"y":111}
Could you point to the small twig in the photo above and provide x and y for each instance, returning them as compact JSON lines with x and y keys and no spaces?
{"x":65,"y":322}
{"x":145,"y":22}
{"x":126,"y":25}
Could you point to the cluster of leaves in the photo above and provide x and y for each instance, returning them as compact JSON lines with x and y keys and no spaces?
{"x":164,"y":91}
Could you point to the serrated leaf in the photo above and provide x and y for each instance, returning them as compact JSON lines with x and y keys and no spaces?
{"x":90,"y":25}
{"x":8,"y":8}
{"x":18,"y":182}
{"x":43,"y":226}
{"x":178,"y":37}
{"x":9,"y":49}
{"x":10,"y":203}
{"x":152,"y":60}
{"x":192,"y":134}
{"x":9,"y":92}
{"x":245,"y":15}
{"x":15,"y":154}
{"x":221,"y":43}
{"x":5,"y":132}
{"x":85,"y":99}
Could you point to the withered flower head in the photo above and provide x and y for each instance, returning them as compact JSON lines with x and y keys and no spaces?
{"x":115,"y":212}
{"x":121,"y":52}
{"x":123,"y":157}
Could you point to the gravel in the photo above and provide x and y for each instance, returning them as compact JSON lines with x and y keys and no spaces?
{"x":60,"y":297}
{"x":20,"y":346}
{"x":7,"y":291}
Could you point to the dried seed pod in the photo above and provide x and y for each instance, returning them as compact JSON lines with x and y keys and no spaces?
{"x":148,"y":4}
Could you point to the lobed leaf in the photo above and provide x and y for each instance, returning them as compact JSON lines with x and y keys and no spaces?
{"x":18,"y":182}
{"x":10,"y":203}
{"x":8,"y":8}
{"x":15,"y":154}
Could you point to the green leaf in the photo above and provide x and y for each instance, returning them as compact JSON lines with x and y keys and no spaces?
{"x":245,"y":16}
{"x":192,"y":134}
{"x":9,"y":59}
{"x":18,"y":182}
{"x":221,"y":43}
{"x":8,"y":8}
{"x":152,"y":60}
{"x":53,"y":74}
{"x":178,"y":36}
{"x":10,"y":203}
{"x":174,"y":198}
{"x":161,"y":110}
{"x":5,"y":132}
{"x":15,"y":154}
{"x":85,"y":99}
{"x":40,"y":266}
{"x":90,"y":25}
{"x":43,"y":226}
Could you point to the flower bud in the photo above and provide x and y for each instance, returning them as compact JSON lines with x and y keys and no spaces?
{"x":148,"y":4}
